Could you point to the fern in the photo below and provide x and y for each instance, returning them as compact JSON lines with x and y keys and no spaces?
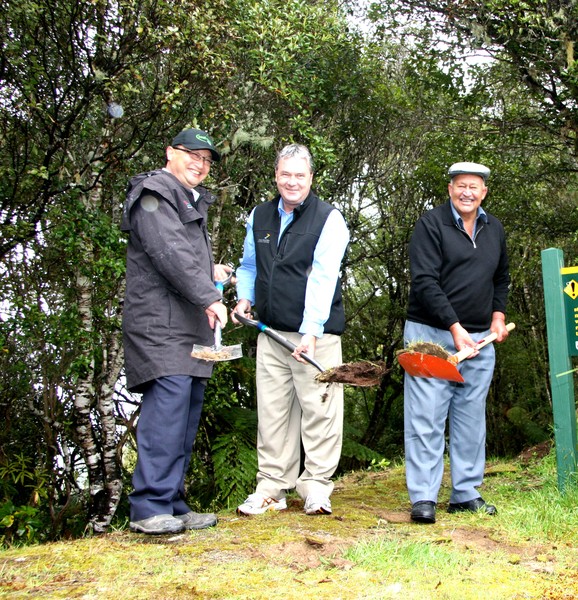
{"x":235,"y":467}
{"x":361,"y":453}
{"x":234,"y":456}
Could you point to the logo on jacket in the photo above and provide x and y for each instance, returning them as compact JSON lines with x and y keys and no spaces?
{"x":265,"y":240}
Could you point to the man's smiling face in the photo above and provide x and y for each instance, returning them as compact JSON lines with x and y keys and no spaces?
{"x":466,"y":194}
{"x":294,"y":177}
{"x":188,"y":167}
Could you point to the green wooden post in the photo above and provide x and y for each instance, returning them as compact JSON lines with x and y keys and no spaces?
{"x":561,"y":375}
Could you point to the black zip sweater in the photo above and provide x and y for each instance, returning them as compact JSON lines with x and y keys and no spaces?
{"x":283,"y":269}
{"x":454,"y":278}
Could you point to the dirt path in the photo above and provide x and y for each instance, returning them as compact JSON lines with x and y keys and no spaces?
{"x":367,"y":549}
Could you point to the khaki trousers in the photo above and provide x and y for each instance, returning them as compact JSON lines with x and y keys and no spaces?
{"x":292,"y":409}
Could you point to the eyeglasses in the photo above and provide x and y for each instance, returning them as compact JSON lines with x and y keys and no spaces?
{"x":196,"y":156}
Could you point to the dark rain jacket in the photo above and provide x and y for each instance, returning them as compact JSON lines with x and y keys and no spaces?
{"x":169,"y":279}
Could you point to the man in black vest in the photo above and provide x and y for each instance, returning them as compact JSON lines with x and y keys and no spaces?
{"x":290,"y":273}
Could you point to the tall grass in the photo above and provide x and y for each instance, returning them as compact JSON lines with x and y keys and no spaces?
{"x":532,"y":506}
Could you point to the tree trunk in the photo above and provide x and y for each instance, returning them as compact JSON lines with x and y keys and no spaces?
{"x":94,"y":398}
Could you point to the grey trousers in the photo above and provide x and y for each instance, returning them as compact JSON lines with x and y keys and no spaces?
{"x":428,"y":404}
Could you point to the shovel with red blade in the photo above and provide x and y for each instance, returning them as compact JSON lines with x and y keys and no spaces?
{"x":430,"y":364}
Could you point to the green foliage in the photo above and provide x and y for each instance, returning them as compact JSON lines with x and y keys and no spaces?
{"x":21,"y":525}
{"x":533,"y":39}
{"x":23,"y":492}
{"x":235,"y":467}
{"x":532,"y":433}
{"x":224,"y":463}
{"x":363,"y":454}
{"x":20,"y":473}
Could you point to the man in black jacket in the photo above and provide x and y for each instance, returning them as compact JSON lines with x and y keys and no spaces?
{"x":290,"y":272}
{"x":459,"y":287}
{"x":171,"y":304}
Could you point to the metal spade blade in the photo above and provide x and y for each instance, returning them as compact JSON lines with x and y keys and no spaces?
{"x":217,"y":352}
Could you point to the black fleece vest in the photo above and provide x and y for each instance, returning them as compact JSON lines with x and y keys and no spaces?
{"x":283,"y":269}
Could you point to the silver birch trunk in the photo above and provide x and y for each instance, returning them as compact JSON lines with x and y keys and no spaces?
{"x":94,"y":398}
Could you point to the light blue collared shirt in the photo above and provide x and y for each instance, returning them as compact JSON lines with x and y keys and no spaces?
{"x":481,"y":215}
{"x":322,"y":278}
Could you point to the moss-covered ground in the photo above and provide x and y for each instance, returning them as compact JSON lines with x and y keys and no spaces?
{"x":368,"y":548}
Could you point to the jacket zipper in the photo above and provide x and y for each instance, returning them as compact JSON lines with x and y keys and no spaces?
{"x":473,"y":240}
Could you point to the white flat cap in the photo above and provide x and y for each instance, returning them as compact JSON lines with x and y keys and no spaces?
{"x":469,"y":168}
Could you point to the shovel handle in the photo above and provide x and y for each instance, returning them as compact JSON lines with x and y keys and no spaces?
{"x":218,"y":334}
{"x":275,"y":335}
{"x":218,"y":330}
{"x":465,"y":352}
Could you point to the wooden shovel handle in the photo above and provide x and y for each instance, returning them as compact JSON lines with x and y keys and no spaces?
{"x":465,"y":352}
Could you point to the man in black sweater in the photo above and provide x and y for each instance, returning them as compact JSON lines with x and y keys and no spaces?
{"x":459,"y":287}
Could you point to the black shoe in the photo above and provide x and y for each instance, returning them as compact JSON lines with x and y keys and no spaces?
{"x":424,"y":511}
{"x":475,"y":505}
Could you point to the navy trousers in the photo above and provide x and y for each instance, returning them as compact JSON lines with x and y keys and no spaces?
{"x":167,"y":426}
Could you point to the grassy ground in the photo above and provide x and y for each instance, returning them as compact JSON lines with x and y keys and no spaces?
{"x":368,"y":549}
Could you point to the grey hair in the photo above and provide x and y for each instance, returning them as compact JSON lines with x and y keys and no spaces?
{"x":297,"y":151}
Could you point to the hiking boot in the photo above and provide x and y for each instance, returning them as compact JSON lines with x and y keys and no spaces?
{"x":193,"y":520}
{"x":257,"y":504}
{"x":157,"y":525}
{"x":317,"y":504}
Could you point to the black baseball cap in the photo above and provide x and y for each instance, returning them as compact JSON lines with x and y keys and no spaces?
{"x":196,"y":139}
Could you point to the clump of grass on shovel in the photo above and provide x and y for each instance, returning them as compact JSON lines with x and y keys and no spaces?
{"x":363,"y":373}
{"x":426,"y":348}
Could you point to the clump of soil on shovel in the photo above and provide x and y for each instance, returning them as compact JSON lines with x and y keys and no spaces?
{"x":211,"y":354}
{"x":363,"y":373}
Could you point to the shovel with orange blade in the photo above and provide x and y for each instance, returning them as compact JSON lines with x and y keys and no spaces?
{"x":431,"y":360}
